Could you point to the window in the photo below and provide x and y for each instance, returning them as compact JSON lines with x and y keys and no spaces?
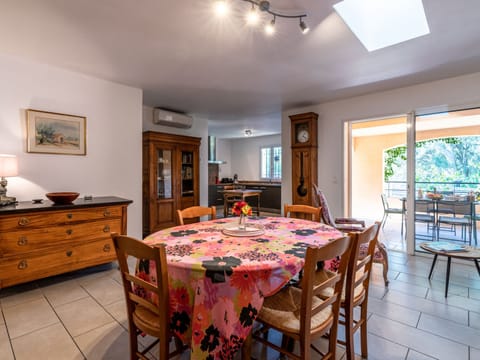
{"x":271,"y":162}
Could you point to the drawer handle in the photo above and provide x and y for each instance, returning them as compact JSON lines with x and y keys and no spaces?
{"x":107,"y":213}
{"x":106,"y":248}
{"x":22,"y":241}
{"x":69,"y":232}
{"x":106,"y":229}
{"x":69,"y":253}
{"x":22,"y":265}
{"x":69,"y":216}
{"x":23,"y":221}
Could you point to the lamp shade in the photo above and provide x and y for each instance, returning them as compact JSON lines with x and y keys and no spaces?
{"x":8,"y":165}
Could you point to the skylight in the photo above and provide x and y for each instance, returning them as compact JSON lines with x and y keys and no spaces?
{"x":381,"y":23}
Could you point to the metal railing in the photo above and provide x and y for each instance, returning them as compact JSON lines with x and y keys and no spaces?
{"x":398,"y":189}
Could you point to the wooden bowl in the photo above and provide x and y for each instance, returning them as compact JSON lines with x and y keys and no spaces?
{"x":65,"y":197}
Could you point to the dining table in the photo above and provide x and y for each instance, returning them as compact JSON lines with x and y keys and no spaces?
{"x":218,"y":278}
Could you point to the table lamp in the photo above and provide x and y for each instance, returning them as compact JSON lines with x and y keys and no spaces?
{"x":8,"y":167}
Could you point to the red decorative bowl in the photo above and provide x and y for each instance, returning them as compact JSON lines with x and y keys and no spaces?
{"x":62,"y":197}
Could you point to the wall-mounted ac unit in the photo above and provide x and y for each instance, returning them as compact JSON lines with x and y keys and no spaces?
{"x":170,"y":118}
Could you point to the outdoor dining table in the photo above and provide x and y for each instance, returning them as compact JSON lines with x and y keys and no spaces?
{"x":217,"y":282}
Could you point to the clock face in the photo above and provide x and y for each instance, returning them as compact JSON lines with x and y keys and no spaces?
{"x":303,"y":135}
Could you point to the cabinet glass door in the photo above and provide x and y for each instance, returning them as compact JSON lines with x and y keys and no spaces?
{"x":187,"y":173}
{"x":164,"y":174}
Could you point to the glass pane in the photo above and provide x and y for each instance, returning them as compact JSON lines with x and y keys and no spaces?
{"x":265,"y":163}
{"x":447,"y":176}
{"x":187,"y":173}
{"x":164,"y":174}
{"x":277,"y":163}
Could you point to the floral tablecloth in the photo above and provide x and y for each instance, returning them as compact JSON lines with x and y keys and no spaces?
{"x":218,"y":282}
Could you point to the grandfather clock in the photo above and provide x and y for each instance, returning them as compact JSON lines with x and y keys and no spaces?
{"x":304,"y":157}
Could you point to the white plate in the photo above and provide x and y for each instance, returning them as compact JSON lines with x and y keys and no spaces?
{"x":250,"y":230}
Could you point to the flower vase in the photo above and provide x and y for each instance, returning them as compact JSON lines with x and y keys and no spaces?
{"x":242,"y":222}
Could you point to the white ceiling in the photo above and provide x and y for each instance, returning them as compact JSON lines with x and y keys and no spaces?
{"x":187,"y":60}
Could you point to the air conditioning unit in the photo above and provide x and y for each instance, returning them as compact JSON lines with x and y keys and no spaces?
{"x":170,"y":118}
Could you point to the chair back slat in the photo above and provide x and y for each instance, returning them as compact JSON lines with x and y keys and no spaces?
{"x":302,"y":212}
{"x":195,"y":212}
{"x":310,"y":289}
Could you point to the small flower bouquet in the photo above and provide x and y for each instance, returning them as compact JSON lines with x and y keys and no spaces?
{"x":242,"y":209}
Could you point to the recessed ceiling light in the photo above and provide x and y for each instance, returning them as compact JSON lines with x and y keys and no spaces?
{"x":381,"y":23}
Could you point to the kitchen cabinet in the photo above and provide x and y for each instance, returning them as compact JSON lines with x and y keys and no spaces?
{"x":270,"y":200}
{"x":40,"y":240}
{"x":170,"y":178}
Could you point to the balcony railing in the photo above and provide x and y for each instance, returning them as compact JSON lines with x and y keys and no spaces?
{"x":398,"y":189}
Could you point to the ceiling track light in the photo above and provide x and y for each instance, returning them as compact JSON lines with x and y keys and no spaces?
{"x":303,"y":26}
{"x":264,"y":6}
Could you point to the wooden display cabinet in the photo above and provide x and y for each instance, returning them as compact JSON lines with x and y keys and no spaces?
{"x":170,"y":178}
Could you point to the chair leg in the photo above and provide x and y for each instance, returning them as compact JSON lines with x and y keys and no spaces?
{"x":247,"y":347}
{"x":349,"y":342}
{"x":363,"y":329}
{"x":384,"y":219}
{"x":383,"y":250}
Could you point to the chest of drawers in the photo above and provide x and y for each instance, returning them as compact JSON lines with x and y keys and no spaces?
{"x":40,"y":240}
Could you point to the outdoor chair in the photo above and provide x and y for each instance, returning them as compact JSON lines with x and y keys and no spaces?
{"x":387,"y":210}
{"x":350,"y":225}
{"x":299,"y":313}
{"x":194,"y":212}
{"x":425,"y":213}
{"x":355,"y":291}
{"x":302,"y":212}
{"x":149,"y":315}
{"x":461,"y":216}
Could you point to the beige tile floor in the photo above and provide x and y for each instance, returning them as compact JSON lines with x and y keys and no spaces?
{"x":82,"y":315}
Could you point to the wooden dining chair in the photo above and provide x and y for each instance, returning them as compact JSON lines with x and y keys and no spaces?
{"x":302,"y":212}
{"x":194,"y":212}
{"x":355,"y":292}
{"x":299,"y":314}
{"x":145,"y":315}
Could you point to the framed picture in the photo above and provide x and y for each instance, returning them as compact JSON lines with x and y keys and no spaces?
{"x":53,"y":133}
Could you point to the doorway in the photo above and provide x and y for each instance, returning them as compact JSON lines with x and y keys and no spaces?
{"x":444,"y":160}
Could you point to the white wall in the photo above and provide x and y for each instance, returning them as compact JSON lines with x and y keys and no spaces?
{"x":113,"y":163}
{"x":198,"y":129}
{"x":463,"y":91}
{"x":245,"y":155}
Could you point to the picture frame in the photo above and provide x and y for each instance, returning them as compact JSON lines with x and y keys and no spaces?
{"x":56,"y":133}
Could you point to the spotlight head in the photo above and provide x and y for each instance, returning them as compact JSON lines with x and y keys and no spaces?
{"x":270,"y":27}
{"x":220,"y":7}
{"x":252,"y":16}
{"x":303,"y":27}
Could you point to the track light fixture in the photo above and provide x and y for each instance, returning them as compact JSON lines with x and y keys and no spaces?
{"x":264,"y":6}
{"x":303,"y":26}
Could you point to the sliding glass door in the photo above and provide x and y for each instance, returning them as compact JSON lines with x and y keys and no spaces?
{"x":416,"y":171}
{"x":447,"y":176}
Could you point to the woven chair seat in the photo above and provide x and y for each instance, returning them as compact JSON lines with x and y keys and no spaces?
{"x":283,"y":309}
{"x":321,"y":276}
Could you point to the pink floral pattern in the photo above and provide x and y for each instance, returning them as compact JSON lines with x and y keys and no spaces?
{"x":218,"y":282}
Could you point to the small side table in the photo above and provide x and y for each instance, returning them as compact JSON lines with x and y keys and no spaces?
{"x":470,"y":253}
